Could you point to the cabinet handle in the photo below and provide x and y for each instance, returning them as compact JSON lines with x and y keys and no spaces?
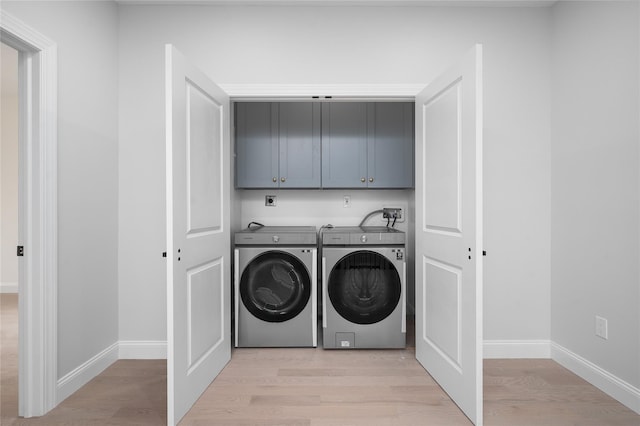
{"x":275,"y":179}
{"x":283,"y":179}
{"x":370,"y":179}
{"x":362,"y":180}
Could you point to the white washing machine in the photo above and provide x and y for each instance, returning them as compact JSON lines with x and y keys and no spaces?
{"x":363,"y":288}
{"x":276,"y":287}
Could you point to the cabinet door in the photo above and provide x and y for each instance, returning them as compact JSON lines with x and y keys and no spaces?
{"x":299,"y":137}
{"x":390,"y":149}
{"x":257,"y":145}
{"x":344,"y":145}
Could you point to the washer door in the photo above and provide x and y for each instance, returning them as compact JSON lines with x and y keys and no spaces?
{"x":275,"y":286}
{"x":364,"y":287}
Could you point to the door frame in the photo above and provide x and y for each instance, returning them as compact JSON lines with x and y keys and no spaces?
{"x":38,"y":223}
{"x":244,"y":92}
{"x":285,"y":92}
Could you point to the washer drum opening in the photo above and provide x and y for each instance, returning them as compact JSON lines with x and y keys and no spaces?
{"x":275,"y":286}
{"x":364,"y":287}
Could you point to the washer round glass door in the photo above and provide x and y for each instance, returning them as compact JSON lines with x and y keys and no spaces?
{"x":364,"y":287}
{"x":275,"y":286}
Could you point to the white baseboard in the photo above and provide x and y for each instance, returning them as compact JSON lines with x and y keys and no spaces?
{"x":145,"y":349}
{"x":8,"y":287}
{"x":512,"y":349}
{"x":79,"y":377}
{"x":613,"y":386}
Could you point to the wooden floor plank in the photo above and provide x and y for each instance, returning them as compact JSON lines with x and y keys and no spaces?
{"x":316,"y":387}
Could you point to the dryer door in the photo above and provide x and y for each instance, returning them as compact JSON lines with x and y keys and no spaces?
{"x":275,"y":286}
{"x":364,"y":287}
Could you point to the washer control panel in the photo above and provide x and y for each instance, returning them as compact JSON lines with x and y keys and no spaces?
{"x":358,"y":236}
{"x":399,"y":253}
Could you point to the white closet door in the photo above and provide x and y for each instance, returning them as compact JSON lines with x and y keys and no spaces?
{"x":449,"y":232}
{"x":198,"y":237}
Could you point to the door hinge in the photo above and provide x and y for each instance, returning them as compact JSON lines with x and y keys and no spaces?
{"x":20,"y":251}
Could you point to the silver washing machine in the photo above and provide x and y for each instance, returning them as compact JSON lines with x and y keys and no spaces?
{"x":276,"y":287}
{"x":363,"y":287}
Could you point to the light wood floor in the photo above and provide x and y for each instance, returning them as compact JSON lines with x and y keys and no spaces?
{"x":317,"y":387}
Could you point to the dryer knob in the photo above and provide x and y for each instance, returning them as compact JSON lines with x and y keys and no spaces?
{"x":363,"y":238}
{"x":276,"y":238}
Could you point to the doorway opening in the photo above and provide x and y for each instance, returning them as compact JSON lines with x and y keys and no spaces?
{"x":9,"y":170}
{"x":37,"y":212}
{"x":9,"y":229}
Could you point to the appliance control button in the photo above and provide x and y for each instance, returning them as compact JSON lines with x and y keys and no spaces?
{"x":363,"y":238}
{"x":276,"y":238}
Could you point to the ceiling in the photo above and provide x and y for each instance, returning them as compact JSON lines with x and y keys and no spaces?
{"x":457,"y":3}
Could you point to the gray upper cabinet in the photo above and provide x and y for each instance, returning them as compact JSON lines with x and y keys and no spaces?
{"x":344,"y":145}
{"x":256,"y":145}
{"x":324,"y":144}
{"x":299,"y":144}
{"x":391,"y":145}
{"x":277,"y":144}
{"x":367,"y":144}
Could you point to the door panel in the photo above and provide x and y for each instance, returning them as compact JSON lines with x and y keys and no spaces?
{"x":449,"y":232}
{"x":299,"y":144}
{"x":390,"y":150}
{"x":204,"y":184}
{"x":442,"y":178}
{"x":442,"y":304}
{"x":257,"y":145}
{"x":198,"y":237}
{"x":344,"y":145}
{"x":205,"y":325}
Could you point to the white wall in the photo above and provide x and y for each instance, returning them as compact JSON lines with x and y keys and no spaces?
{"x":595,"y":216}
{"x":86,"y":35}
{"x":9,"y":171}
{"x":270,"y":45}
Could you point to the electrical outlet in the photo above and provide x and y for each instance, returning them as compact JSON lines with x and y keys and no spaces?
{"x":602,"y":327}
{"x":392,"y":214}
{"x":270,"y":200}
{"x":346,"y":201}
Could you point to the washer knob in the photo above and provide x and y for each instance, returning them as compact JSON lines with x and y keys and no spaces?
{"x":363,"y":238}
{"x":276,"y":238}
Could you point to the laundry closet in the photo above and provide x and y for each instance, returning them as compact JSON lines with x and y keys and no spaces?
{"x":328,"y":151}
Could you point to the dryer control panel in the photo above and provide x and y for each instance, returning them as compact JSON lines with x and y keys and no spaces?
{"x":277,"y":235}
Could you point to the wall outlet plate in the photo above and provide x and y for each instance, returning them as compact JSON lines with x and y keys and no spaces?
{"x":602,"y":327}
